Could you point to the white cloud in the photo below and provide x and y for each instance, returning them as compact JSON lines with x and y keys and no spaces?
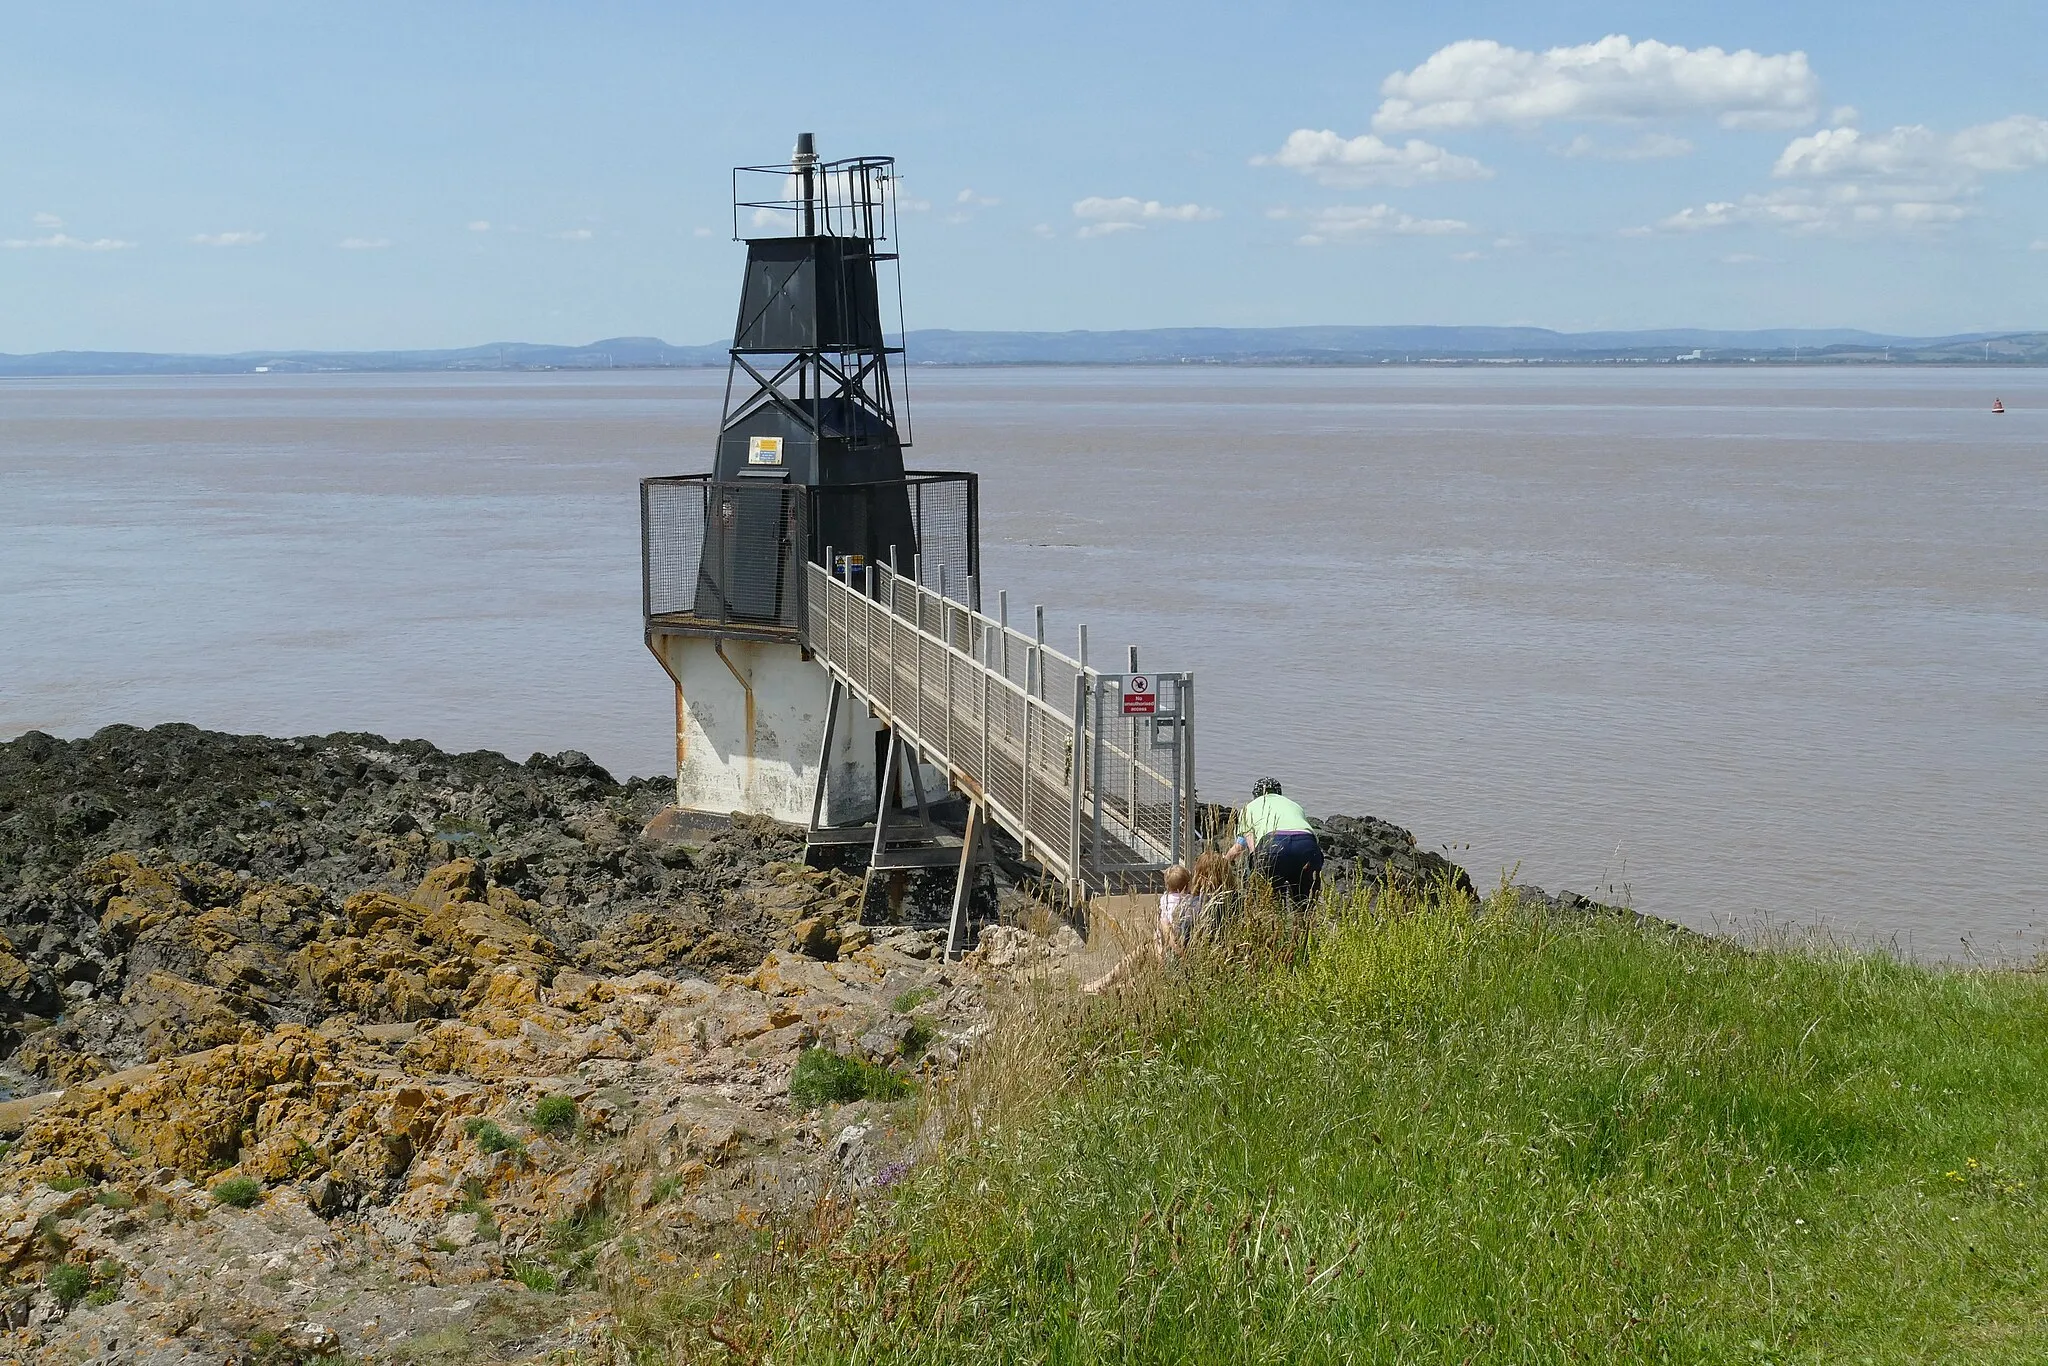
{"x":48,"y":220}
{"x":1911,"y":178}
{"x":702,"y":232}
{"x":967,"y":202}
{"x":1359,"y":222}
{"x":911,"y":204}
{"x":1128,"y":214}
{"x":363,"y":243}
{"x":1043,"y":230}
{"x":1468,"y":256}
{"x":1844,"y":208}
{"x":1365,"y":160}
{"x":1914,"y":153}
{"x":574,"y":235}
{"x":480,"y":225}
{"x":1648,"y":147}
{"x":227,"y":239}
{"x":64,"y":241}
{"x":1741,"y":258}
{"x":1844,"y":113}
{"x":1479,"y":82}
{"x":2038,"y":244}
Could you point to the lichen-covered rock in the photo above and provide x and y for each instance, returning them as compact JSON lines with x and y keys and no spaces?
{"x":192,"y":1114}
{"x":217,"y":859}
{"x":177,"y":1016}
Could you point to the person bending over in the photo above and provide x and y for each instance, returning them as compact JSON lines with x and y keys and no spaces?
{"x":1274,"y":833}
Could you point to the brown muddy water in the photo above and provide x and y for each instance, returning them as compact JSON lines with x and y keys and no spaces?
{"x":1733,"y":644}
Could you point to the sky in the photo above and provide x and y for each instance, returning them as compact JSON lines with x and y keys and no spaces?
{"x":228,"y":177}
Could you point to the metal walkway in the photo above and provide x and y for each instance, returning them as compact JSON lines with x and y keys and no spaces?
{"x":1091,"y":773}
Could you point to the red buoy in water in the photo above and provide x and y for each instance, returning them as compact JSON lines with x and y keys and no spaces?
{"x":1997,"y":405}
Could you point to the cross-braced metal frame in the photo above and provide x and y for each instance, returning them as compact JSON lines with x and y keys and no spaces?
{"x":808,"y":385}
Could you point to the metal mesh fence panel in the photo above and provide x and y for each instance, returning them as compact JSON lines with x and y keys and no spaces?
{"x":942,"y":508}
{"x":1003,"y":779}
{"x":754,"y":554}
{"x":733,"y":553}
{"x":672,"y":543}
{"x":724,"y":554}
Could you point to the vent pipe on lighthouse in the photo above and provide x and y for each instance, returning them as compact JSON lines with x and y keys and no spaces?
{"x":805,"y":161}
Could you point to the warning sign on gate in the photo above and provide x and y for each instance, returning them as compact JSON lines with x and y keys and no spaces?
{"x":1139,"y":699}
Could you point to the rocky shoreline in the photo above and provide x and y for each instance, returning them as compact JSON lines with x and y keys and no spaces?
{"x":341,"y":1044}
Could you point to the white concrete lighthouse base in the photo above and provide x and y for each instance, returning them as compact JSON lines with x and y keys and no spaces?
{"x":750,"y":717}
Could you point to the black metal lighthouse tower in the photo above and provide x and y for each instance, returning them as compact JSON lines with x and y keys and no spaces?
{"x":809,"y":404}
{"x":808,"y":465}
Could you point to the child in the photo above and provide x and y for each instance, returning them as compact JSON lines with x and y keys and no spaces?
{"x":1211,"y":891}
{"x":1179,"y":909}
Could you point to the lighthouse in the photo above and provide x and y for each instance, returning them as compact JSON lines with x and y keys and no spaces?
{"x":807,"y":468}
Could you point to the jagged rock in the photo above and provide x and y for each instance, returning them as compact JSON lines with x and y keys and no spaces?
{"x":23,"y":991}
{"x":461,"y":1230}
{"x":309,"y":1339}
{"x":252,"y":844}
{"x":177,"y":1016}
{"x":886,"y":1040}
{"x":816,"y":937}
{"x":1362,"y":851}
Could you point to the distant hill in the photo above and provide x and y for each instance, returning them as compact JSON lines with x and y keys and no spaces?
{"x":616,"y":353}
{"x":1418,"y":345}
{"x":1153,"y":346}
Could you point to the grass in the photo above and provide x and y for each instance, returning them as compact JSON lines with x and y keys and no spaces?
{"x":68,"y":1282}
{"x":917,"y":1040}
{"x":556,"y":1115}
{"x":822,"y":1077}
{"x":67,"y":1184}
{"x":492,"y":1138}
{"x":573,"y":1244}
{"x":571,"y":1247}
{"x":107,"y":1278}
{"x":535,"y":1275}
{"x":474,"y":1202}
{"x":1420,"y":1134}
{"x":239,"y":1191}
{"x":909,"y":1000}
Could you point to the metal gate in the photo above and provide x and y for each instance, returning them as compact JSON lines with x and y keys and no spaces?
{"x":1140,"y":773}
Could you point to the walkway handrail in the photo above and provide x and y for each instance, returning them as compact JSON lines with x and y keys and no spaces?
{"x":999,"y":712}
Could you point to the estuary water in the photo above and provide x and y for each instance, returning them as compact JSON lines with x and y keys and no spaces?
{"x":1733,"y":645}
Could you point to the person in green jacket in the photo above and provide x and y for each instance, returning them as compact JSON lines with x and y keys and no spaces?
{"x":1274,"y":833}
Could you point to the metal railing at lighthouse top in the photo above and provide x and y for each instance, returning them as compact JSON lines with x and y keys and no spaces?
{"x":1091,"y":773}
